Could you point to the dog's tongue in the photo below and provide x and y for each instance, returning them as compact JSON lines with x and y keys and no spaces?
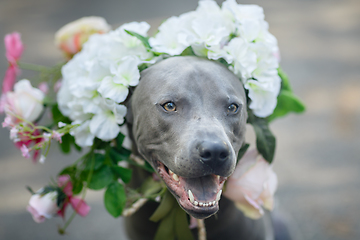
{"x":204,"y":189}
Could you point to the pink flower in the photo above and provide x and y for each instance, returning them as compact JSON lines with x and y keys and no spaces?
{"x":44,"y":87}
{"x":57,"y":136}
{"x":9,"y":79}
{"x":14,"y":47}
{"x":8,"y":84}
{"x":78,"y":204}
{"x":7,"y":122}
{"x":25,"y":151}
{"x":57,"y":86}
{"x":252,"y":185}
{"x":43,"y":206}
{"x":72,"y":36}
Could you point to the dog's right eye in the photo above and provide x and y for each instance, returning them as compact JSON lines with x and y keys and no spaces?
{"x":169,"y":106}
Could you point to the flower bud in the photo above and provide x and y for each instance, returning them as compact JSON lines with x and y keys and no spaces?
{"x":25,"y":101}
{"x":72,"y":36}
{"x":43,"y":206}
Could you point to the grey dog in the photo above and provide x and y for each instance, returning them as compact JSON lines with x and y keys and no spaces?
{"x":188,"y":118}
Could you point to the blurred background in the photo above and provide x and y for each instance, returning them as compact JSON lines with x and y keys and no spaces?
{"x":318,"y":153}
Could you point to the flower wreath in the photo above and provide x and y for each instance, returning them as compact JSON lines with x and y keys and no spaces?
{"x":102,"y":69}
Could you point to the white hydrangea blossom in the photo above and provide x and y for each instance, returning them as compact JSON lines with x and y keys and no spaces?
{"x":97,"y":80}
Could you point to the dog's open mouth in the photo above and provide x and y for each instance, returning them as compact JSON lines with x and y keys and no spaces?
{"x":199,"y":196}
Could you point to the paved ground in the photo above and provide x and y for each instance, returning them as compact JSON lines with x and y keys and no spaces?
{"x":318,"y":153}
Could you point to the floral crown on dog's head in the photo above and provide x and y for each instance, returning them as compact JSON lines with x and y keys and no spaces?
{"x":103,"y":66}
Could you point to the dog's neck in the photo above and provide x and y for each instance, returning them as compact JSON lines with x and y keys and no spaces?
{"x":228,"y":223}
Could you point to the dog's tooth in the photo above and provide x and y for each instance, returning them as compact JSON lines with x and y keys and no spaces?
{"x":175,"y":177}
{"x":191,"y":196}
{"x":218,"y":195}
{"x":218,"y":177}
{"x":210,"y":203}
{"x":213,"y":203}
{"x":206,"y":204}
{"x":196,"y":203}
{"x":201,"y":204}
{"x":171,"y":172}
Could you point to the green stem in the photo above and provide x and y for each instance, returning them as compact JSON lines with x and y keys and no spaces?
{"x":62,"y":230}
{"x":33,"y":67}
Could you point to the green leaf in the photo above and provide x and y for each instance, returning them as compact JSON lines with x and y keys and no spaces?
{"x":123,"y":173}
{"x":119,"y":155}
{"x":101,"y":178}
{"x":70,"y":170}
{"x":285,"y":83}
{"x":164,"y":208}
{"x":151,"y":187}
{"x":265,"y":140}
{"x":77,"y":186}
{"x":115,"y":199}
{"x":287,"y":102}
{"x":61,"y":197}
{"x":242,"y":151}
{"x":99,"y":160}
{"x":188,"y":52}
{"x":166,"y":229}
{"x":143,"y":39}
{"x":182,"y":229}
{"x":67,"y":140}
{"x":119,"y":141}
{"x":57,"y":115}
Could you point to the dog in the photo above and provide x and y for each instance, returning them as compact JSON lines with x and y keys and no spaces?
{"x":187,"y":118}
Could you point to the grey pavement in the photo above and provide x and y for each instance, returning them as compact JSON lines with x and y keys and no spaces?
{"x":318,"y":153}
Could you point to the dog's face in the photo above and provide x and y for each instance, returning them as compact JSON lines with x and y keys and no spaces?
{"x":189,"y":117}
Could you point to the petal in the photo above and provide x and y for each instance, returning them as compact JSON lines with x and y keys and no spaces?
{"x":116,"y":92}
{"x":80,"y":206}
{"x":104,"y":126}
{"x":83,"y":135}
{"x":36,"y":216}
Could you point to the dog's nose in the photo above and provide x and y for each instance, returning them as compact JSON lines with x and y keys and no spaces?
{"x":213,"y":152}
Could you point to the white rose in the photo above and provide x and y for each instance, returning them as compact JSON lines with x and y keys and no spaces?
{"x":25,"y":101}
{"x":252,"y":185}
{"x":43,"y":206}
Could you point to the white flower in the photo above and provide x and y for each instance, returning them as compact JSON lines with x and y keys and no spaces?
{"x":263,"y":96}
{"x":168,"y":39}
{"x":244,"y":12}
{"x":43,"y":206}
{"x":25,"y":101}
{"x":252,"y":185}
{"x":124,"y":75}
{"x":105,"y":124}
{"x":82,"y":134}
{"x":243,"y":59}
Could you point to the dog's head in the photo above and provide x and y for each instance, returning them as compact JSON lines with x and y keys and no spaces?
{"x":188,"y":116}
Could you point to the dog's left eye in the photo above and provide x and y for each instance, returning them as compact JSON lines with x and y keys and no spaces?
{"x":233,"y":108}
{"x":169,"y":106}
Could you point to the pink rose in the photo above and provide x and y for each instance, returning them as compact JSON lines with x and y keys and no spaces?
{"x":72,"y":36}
{"x":43,"y":206}
{"x":252,"y":185}
{"x":14,"y":47}
{"x":25,"y":102}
